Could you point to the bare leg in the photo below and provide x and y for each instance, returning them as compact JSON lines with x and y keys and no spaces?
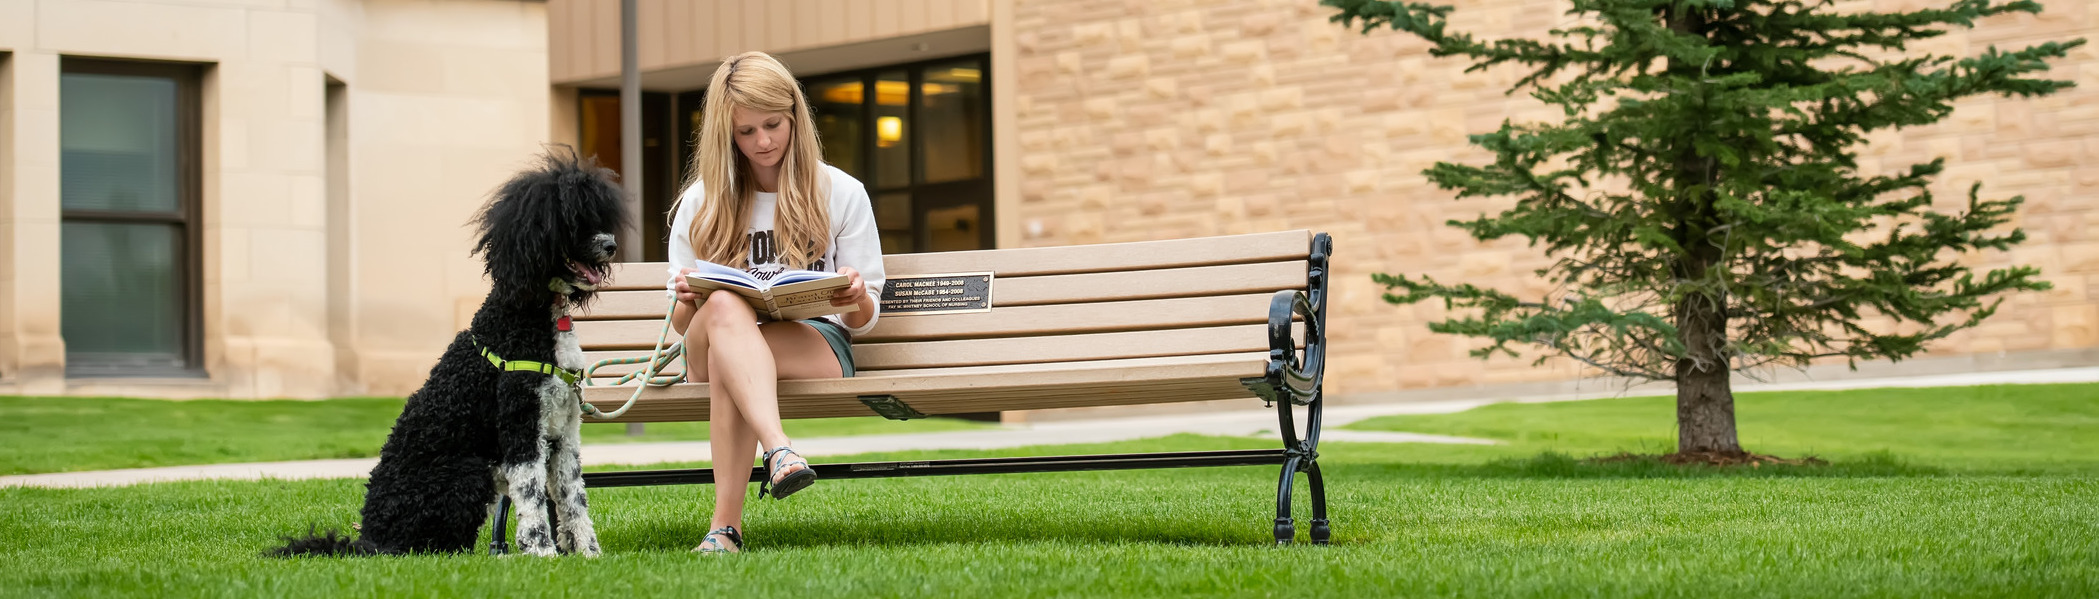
{"x":731,"y":441}
{"x":744,"y":362}
{"x":741,"y":366}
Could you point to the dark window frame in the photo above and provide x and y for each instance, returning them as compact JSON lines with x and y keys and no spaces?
{"x":661,"y":173}
{"x":926,"y":197}
{"x":673,"y":169}
{"x":189,"y":215}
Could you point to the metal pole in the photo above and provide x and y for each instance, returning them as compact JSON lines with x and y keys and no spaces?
{"x":630,"y":139}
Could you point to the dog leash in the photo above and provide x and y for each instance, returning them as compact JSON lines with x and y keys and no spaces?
{"x":652,"y":375}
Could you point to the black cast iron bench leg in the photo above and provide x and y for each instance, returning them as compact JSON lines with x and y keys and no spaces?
{"x":1320,"y":532}
{"x":1285,"y":530}
{"x":1285,"y":526}
{"x":496,"y":544}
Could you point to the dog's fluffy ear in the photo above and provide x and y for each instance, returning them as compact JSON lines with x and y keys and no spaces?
{"x":527,"y":231}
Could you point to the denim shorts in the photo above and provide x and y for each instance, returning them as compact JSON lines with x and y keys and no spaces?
{"x":841,"y":342}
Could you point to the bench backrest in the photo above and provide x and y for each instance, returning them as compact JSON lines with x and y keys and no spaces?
{"x":1152,"y":299}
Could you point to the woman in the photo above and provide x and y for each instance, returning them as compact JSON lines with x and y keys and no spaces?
{"x":762,"y":199}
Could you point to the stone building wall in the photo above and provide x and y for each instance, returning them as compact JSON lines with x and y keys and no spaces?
{"x":1150,"y":119}
{"x":344,"y":145}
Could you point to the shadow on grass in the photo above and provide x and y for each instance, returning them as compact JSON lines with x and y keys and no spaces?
{"x":975,"y":529}
{"x":929,"y":526}
{"x":1554,"y":464}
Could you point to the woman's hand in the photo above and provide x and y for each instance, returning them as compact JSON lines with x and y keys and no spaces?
{"x":854,"y":290}
{"x":683,"y":289}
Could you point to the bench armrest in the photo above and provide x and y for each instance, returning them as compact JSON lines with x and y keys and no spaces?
{"x":1293,"y":375}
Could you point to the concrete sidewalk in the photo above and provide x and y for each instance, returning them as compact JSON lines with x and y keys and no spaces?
{"x":1236,"y":423}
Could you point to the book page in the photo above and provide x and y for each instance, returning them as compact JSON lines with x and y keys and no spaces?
{"x":796,"y":276}
{"x":704,"y":284}
{"x":832,"y":282}
{"x":723,"y":274}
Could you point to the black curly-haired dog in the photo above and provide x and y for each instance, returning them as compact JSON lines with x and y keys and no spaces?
{"x":475,"y":430}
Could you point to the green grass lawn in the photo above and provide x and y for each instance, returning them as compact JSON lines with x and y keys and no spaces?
{"x":1934,"y":497}
{"x":64,"y":434}
{"x":1998,"y":427}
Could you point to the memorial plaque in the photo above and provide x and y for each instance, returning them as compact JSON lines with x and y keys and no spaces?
{"x":937,"y":294}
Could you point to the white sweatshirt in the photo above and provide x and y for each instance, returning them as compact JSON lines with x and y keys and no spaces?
{"x":854,"y":241}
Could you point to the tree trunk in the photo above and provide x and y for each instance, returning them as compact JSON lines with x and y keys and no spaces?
{"x":1705,"y":405}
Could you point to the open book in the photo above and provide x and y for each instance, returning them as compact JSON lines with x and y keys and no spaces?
{"x":790,"y":295}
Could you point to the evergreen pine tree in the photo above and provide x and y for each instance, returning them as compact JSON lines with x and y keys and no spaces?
{"x":1702,"y":199}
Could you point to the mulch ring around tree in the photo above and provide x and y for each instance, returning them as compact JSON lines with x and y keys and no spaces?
{"x":1710,"y":458}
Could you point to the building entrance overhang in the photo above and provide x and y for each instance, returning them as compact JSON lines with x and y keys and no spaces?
{"x":811,"y":61}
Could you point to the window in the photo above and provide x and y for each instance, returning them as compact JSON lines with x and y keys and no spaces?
{"x":918,"y":135}
{"x":129,"y":236}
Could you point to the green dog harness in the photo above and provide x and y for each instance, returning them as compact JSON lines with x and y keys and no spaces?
{"x":567,"y":376}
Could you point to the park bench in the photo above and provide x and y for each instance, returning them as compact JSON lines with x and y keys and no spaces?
{"x":1231,"y":317}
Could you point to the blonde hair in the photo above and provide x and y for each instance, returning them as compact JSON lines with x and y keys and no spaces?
{"x":802,"y":217}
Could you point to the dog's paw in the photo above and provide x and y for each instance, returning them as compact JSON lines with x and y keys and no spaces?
{"x":583,"y":546}
{"x":542,"y":552}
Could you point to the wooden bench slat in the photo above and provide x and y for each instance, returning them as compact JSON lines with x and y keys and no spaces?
{"x":626,"y":305}
{"x":605,"y":375}
{"x":1044,"y":349}
{"x":1062,"y":348}
{"x":1105,"y":257}
{"x":1026,"y":369}
{"x":1086,"y":396}
{"x":1003,"y":322}
{"x":1099,"y":317}
{"x":622,"y":334}
{"x":1266,"y":277}
{"x":1188,"y":379}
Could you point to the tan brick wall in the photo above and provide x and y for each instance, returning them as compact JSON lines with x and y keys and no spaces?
{"x":1150,"y":119}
